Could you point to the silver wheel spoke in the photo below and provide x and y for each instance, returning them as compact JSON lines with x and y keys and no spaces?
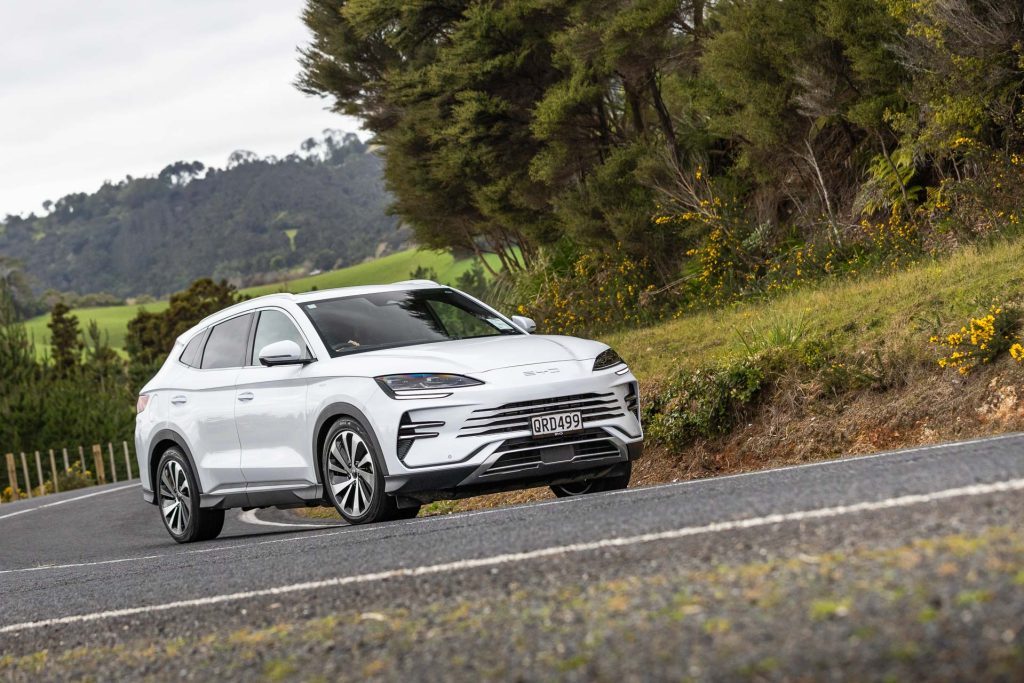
{"x":338,"y":488}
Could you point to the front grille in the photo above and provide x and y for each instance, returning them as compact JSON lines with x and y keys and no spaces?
{"x":515,"y":417}
{"x":523,"y":454}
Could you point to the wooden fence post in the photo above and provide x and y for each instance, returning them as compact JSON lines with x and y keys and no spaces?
{"x":127,"y":460}
{"x":53,"y":472}
{"x":24,"y":470}
{"x":97,"y":460}
{"x":12,"y":475}
{"x":66,"y":465}
{"x":81,"y":457}
{"x":113,"y":466}
{"x":39,"y":471}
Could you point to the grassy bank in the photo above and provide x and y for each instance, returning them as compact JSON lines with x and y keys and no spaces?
{"x":113,"y":320}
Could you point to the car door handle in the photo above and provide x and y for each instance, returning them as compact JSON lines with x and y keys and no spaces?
{"x":179,"y":400}
{"x":246,"y":396}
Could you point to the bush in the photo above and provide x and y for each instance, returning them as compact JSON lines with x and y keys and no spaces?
{"x":75,"y":478}
{"x":981,"y":340}
{"x":706,"y":402}
{"x":585,"y":293}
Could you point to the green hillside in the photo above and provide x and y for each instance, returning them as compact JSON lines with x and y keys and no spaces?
{"x":113,"y":320}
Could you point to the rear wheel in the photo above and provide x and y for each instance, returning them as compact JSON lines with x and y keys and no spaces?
{"x":612,"y":482}
{"x":354,"y":477}
{"x":178,"y":499}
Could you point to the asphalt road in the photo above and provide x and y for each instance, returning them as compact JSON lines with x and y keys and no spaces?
{"x":901,"y":564}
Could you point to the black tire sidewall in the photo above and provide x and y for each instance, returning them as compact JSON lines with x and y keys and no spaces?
{"x":191,"y":531}
{"x":615,"y":482}
{"x":377,"y":509}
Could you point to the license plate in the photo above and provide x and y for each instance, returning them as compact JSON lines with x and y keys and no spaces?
{"x":557,"y":423}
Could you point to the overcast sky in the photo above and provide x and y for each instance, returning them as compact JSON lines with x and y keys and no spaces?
{"x":93,"y":90}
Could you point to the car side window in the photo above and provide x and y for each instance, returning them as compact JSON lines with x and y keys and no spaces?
{"x":225,"y":347}
{"x":275,"y":326}
{"x":190,"y":356}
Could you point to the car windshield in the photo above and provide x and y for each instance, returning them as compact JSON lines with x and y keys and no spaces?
{"x":383,"y":320}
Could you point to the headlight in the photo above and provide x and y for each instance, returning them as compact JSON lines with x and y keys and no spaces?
{"x":397,"y":385}
{"x":607,"y":359}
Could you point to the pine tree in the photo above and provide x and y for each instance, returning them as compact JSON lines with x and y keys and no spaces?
{"x":65,"y":340}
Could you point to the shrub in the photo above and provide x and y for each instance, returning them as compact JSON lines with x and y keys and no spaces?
{"x":592,"y":292}
{"x":75,"y":478}
{"x":981,"y":340}
{"x":706,"y":402}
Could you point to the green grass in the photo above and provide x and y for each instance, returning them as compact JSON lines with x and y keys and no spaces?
{"x":856,"y":315}
{"x":113,"y":320}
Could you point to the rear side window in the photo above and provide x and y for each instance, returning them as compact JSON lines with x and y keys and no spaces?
{"x":274,"y":326}
{"x":225,"y":347}
{"x":190,"y":356}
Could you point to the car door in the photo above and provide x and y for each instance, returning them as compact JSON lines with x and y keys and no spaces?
{"x":270,"y":411}
{"x":207,"y":409}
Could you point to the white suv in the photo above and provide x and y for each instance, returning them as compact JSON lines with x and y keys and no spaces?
{"x":376,"y":400}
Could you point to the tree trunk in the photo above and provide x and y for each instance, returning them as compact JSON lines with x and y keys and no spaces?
{"x":664,"y":118}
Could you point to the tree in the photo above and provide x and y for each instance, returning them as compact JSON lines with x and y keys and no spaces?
{"x":65,"y":340}
{"x":152,"y":335}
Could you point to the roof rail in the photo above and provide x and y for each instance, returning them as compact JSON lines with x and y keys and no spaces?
{"x":416,"y":282}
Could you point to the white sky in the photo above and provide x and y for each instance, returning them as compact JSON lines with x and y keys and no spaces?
{"x":93,"y":90}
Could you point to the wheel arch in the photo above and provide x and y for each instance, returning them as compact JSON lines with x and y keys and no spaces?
{"x":163,"y":440}
{"x":328,"y":416}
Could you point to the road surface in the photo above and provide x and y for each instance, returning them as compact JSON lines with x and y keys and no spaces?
{"x":904,"y":564}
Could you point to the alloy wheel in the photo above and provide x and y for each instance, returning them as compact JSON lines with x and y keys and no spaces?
{"x":175,"y":497}
{"x":351,"y":473}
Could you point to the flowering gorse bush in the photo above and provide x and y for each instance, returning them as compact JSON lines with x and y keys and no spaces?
{"x":981,"y":340}
{"x":9,"y":494}
{"x":600,"y":292}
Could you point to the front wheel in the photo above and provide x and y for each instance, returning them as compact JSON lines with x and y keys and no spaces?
{"x":354,"y":477}
{"x":178,"y":497}
{"x":613,"y":482}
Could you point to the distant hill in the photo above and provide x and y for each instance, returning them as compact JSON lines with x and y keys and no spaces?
{"x":322,"y":208}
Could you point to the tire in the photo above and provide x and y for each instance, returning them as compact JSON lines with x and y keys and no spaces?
{"x":353,"y":476}
{"x":614,"y":482}
{"x":177,"y":494}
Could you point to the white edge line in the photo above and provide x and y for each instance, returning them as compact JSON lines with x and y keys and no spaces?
{"x":553,"y":551}
{"x":69,"y":500}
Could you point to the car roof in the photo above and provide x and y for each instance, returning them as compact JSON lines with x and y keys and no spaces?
{"x":305,"y":297}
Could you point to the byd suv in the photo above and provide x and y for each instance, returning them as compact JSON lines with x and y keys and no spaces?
{"x":376,"y":400}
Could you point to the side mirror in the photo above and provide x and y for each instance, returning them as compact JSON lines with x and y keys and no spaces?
{"x":525,"y":323}
{"x":285,"y":352}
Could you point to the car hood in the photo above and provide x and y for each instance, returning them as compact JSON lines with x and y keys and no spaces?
{"x":469,"y":356}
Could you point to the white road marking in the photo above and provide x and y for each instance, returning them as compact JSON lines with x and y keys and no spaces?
{"x":69,"y":500}
{"x":249,"y":517}
{"x":553,"y":551}
{"x":841,"y":460}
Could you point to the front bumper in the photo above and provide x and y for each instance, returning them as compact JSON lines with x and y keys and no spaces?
{"x":544,"y":465}
{"x":479,"y":440}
